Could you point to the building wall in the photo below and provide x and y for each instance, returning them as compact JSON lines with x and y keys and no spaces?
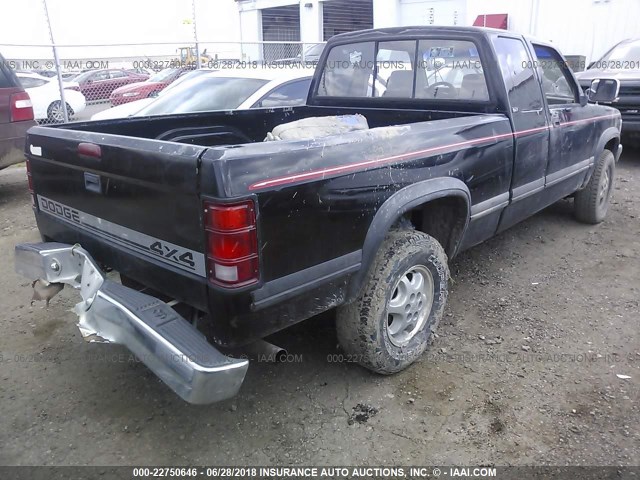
{"x":577,"y":27}
{"x":432,"y":12}
{"x":587,"y":27}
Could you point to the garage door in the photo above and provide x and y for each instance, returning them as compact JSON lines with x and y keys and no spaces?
{"x":341,"y":16}
{"x":281,"y":24}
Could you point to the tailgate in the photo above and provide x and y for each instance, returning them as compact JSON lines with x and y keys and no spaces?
{"x":139,"y":196}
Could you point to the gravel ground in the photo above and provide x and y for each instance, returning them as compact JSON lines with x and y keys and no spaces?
{"x":541,"y":321}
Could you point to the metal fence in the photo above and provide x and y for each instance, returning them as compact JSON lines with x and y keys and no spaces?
{"x":71,"y":82}
{"x":89,"y":79}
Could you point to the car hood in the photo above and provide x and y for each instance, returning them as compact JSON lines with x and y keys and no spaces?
{"x":138,"y":87}
{"x":122,"y":111}
{"x":594,"y":73}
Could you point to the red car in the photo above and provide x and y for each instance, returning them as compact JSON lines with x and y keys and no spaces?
{"x":99,"y":84}
{"x":148,"y":88}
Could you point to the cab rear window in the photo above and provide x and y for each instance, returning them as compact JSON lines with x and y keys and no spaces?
{"x":436,"y":69}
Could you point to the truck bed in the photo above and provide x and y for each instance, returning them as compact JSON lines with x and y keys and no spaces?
{"x":245,"y":126}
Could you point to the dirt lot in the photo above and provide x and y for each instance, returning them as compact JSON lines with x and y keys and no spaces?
{"x":540,"y":323}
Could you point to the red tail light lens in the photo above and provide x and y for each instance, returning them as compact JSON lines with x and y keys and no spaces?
{"x":232,"y":243}
{"x":230,"y":217}
{"x":230,"y":246}
{"x":21,"y":107}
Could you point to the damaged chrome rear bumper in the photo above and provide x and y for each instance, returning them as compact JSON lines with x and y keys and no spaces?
{"x":109,"y":312}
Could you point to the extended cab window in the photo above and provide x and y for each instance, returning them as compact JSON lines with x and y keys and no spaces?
{"x":557,"y":84}
{"x":441,"y":69}
{"x":519,"y":75}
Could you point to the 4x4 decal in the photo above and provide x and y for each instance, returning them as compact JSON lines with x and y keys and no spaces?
{"x":172,"y":253}
{"x":166,"y":252}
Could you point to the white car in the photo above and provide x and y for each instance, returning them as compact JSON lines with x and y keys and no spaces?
{"x":240,"y":89}
{"x":45,"y":96}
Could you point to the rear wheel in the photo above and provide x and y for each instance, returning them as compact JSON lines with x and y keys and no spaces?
{"x":592,"y":202}
{"x":391,"y":322}
{"x":55,"y":113}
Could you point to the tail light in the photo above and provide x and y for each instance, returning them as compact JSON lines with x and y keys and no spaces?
{"x":30,"y":180}
{"x":21,"y":107}
{"x":232,"y":244}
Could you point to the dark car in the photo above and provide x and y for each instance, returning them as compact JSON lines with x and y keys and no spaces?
{"x":623,"y":63}
{"x":99,"y":84}
{"x":356,"y":202}
{"x":16,"y":116}
{"x":149,"y":88}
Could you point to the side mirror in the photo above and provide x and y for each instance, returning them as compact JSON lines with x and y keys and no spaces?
{"x":584,"y":100}
{"x":604,"y":90}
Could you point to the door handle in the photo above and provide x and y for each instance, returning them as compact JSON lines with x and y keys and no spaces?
{"x":92,"y":182}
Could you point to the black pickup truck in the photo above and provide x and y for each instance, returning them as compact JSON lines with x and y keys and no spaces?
{"x":468,"y":132}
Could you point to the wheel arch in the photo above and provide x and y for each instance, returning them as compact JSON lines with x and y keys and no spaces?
{"x":609,"y":140}
{"x":413,"y":201}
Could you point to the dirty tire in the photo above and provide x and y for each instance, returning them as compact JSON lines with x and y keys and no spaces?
{"x":363,"y":326}
{"x":591,"y":204}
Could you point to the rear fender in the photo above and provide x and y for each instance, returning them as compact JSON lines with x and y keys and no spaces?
{"x":397,"y":205}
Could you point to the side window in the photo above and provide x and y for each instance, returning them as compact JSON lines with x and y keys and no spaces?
{"x":557,"y":84}
{"x":290,"y":94}
{"x":28,"y":82}
{"x":5,"y":81}
{"x":98,"y":76}
{"x":519,"y":76}
{"x":116,"y":74}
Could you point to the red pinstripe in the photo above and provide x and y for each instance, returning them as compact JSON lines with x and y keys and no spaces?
{"x":323,"y":172}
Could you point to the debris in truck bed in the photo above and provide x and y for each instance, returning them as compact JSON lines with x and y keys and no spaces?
{"x":318,"y":127}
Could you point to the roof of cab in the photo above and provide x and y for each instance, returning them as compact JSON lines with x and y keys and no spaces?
{"x":425,"y":31}
{"x":418,"y":30}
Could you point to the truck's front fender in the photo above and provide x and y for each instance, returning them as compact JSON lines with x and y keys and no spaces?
{"x":397,"y":205}
{"x":609,"y":134}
